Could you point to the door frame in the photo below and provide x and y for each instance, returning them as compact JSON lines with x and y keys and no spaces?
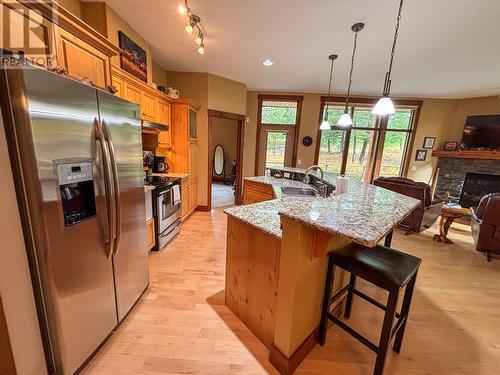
{"x":292,"y":98}
{"x":239,"y":154}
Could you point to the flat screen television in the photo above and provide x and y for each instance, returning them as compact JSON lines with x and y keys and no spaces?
{"x":481,"y":132}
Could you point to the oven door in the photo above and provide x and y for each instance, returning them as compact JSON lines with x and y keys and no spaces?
{"x":168,"y":212}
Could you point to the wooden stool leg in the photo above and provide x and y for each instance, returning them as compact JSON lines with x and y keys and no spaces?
{"x":385,"y":336}
{"x":405,"y":309}
{"x":323,"y":326}
{"x":350,"y":294}
{"x":388,"y":238}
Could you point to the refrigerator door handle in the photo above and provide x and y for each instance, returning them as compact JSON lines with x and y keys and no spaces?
{"x":114,"y":168}
{"x":110,"y":199}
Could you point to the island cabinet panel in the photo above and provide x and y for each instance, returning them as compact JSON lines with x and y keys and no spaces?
{"x":252,"y":275}
{"x":254,"y":192}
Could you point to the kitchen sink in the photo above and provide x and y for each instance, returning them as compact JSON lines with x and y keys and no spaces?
{"x":298,"y":191}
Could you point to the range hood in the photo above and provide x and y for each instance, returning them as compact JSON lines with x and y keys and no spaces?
{"x":155,"y":126}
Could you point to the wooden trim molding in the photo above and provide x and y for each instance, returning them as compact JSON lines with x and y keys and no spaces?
{"x":468,"y":154}
{"x":292,"y":98}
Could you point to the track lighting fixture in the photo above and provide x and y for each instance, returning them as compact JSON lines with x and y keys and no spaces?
{"x":385,"y":106}
{"x":194,"y":24}
{"x":325,"y":125}
{"x":345,"y":119}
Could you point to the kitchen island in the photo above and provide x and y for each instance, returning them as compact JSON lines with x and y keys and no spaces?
{"x":276,"y":256}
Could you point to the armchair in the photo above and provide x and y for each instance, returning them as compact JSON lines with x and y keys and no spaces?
{"x":485,"y":224}
{"x":425,"y":215}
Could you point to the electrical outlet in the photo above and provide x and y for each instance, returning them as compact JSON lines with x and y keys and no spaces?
{"x":299,"y":162}
{"x":413,"y":168}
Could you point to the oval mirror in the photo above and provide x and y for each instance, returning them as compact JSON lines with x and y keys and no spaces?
{"x":219,"y":160}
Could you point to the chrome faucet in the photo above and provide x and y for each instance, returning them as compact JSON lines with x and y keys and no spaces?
{"x":317,"y":167}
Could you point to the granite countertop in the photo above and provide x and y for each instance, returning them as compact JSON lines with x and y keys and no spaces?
{"x":172,"y":175}
{"x":364,"y":214}
{"x":278,"y":183}
{"x":149,"y":188}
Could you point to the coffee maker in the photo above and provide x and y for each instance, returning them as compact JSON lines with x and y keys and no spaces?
{"x":160,"y":165}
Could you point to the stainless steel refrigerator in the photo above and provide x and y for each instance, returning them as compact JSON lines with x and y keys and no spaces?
{"x":76,"y":155}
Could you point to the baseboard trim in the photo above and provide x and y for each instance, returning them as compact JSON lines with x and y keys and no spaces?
{"x":287,"y":366}
{"x":202,"y":208}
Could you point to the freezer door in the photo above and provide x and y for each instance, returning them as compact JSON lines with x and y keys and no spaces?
{"x":54,"y":119}
{"x":120,"y":119}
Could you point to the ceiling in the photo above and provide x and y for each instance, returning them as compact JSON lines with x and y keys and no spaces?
{"x":446,"y":48}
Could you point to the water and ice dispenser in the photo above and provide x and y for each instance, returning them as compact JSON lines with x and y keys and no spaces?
{"x":77,"y":192}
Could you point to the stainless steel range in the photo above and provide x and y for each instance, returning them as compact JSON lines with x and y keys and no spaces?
{"x":166,"y":209}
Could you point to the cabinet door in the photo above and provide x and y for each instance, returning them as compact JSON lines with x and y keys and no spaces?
{"x":193,"y":158}
{"x":150,"y":233}
{"x":193,"y":194}
{"x":163,"y":112}
{"x":82,"y":60}
{"x":149,"y":107}
{"x":165,"y":139}
{"x":184,"y":200}
{"x":119,"y":86}
{"x":132,"y":93}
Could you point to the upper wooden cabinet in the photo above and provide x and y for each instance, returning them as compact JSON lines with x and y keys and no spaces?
{"x":149,"y":106}
{"x":164,"y":114}
{"x":81,"y":60}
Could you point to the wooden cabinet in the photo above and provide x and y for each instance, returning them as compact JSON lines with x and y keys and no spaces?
{"x":165,"y":139}
{"x":149,"y":106}
{"x":254,"y":192}
{"x":119,"y":85}
{"x":184,"y":200}
{"x":163,"y":112}
{"x":81,"y":60}
{"x":132,"y":93}
{"x":193,"y":194}
{"x":150,"y":233}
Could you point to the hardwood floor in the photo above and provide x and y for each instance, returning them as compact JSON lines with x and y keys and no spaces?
{"x":181,"y":325}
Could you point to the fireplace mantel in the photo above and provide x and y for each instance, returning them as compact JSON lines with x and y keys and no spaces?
{"x":473,"y":154}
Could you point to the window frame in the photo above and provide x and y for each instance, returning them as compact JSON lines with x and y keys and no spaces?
{"x":283,"y":98}
{"x":380,"y":130}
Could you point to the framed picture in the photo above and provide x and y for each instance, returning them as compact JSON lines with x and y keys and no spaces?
{"x":450,"y":146}
{"x":421,"y":155}
{"x":429,"y":142}
{"x":132,"y":57}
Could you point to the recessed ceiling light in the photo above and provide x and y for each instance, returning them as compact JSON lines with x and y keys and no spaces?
{"x":267,"y":62}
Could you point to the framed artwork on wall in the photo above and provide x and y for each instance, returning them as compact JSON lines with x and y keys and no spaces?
{"x":450,"y":146}
{"x":421,"y":155}
{"x":429,"y":142}
{"x":133,"y":58}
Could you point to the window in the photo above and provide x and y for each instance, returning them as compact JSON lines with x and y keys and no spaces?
{"x":277,"y":131}
{"x":373,"y":146}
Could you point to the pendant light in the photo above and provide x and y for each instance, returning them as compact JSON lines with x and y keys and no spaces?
{"x":325,"y":125}
{"x":345,"y":119}
{"x":385,"y":106}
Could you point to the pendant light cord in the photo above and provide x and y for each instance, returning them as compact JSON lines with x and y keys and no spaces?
{"x":329,"y":88}
{"x":350,"y":72}
{"x":387,"y":84}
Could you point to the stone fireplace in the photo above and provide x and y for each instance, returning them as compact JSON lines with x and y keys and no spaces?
{"x":484,"y":175}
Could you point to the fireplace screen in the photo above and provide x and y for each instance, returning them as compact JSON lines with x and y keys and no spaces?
{"x":476,"y":186}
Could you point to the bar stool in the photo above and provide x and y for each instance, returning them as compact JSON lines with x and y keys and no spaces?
{"x":384,"y":267}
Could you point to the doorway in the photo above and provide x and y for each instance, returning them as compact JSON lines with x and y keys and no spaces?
{"x":225,"y":156}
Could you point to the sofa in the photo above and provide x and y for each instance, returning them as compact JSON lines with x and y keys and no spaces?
{"x":425,"y":215}
{"x":485,"y":224}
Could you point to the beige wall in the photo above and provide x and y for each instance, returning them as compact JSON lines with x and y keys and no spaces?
{"x":72,"y":5}
{"x":159,"y":75}
{"x":225,"y":133}
{"x":15,"y":282}
{"x":226,"y":95}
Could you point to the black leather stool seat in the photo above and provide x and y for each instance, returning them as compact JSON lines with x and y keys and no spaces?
{"x":381,"y":265}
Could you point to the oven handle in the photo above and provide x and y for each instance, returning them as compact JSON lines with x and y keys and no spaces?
{"x":114,"y":168}
{"x":110,"y":201}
